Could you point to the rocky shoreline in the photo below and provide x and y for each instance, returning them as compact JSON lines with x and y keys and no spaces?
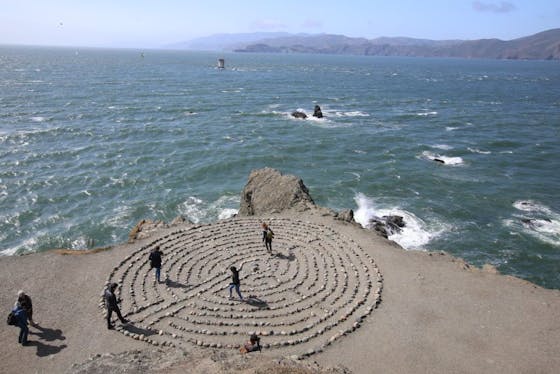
{"x":332,"y":298}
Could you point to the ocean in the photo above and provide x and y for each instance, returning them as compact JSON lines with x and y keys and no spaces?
{"x":94,"y":140}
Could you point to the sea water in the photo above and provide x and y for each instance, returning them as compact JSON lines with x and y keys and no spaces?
{"x":92,"y":141}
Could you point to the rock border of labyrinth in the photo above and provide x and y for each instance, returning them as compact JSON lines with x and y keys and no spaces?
{"x":318,"y":287}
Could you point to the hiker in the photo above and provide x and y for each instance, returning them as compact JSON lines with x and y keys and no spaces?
{"x":25,"y":302}
{"x":268,"y":234}
{"x":155,"y":261}
{"x":252,"y":345}
{"x":235,"y":282}
{"x":21,"y":322}
{"x":112,"y":305}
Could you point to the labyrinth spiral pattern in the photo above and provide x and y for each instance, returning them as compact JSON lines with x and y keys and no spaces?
{"x":315,"y":288}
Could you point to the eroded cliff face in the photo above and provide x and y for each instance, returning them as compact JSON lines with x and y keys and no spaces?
{"x":269,"y":191}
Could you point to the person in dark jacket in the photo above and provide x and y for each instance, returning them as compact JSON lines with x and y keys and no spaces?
{"x":268,"y":234}
{"x":155,"y":261}
{"x":112,"y":305}
{"x":25,"y":301}
{"x":235,"y":283}
{"x":21,"y":318}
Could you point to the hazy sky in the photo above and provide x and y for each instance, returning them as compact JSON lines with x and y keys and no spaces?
{"x":143,"y":23}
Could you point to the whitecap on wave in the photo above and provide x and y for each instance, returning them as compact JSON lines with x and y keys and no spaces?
{"x":426,"y":114}
{"x":27,"y":244}
{"x":445,"y":147}
{"x":339,"y":113}
{"x":536,"y":220}
{"x":416,"y":233}
{"x":197,"y":210}
{"x":476,"y":150}
{"x":446,"y":160}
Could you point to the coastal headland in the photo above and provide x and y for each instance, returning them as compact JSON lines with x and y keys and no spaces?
{"x":331,"y":298}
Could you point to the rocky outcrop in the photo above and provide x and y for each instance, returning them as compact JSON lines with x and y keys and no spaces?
{"x":298,"y":114}
{"x":345,"y":215}
{"x":386,"y":225}
{"x":317,"y":112}
{"x":268,"y":191}
{"x":146,"y":228}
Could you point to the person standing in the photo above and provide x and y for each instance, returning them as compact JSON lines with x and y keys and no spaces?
{"x":112,"y":305}
{"x":155,"y":261}
{"x":268,"y":234}
{"x":235,"y":283}
{"x":25,"y":301}
{"x":21,"y":320}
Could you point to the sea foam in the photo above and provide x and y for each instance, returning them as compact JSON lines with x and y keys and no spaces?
{"x":447,"y":160}
{"x":536,"y":220}
{"x":415,"y":234}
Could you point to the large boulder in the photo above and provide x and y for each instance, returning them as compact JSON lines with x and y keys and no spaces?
{"x":268,"y":191}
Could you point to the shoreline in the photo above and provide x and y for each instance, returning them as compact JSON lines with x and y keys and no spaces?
{"x":433,"y":311}
{"x":334,"y":293}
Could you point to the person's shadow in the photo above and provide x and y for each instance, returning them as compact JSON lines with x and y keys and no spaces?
{"x":256,"y":302}
{"x":48,"y":335}
{"x":282,"y":256}
{"x":173,"y":284}
{"x":138,"y":330}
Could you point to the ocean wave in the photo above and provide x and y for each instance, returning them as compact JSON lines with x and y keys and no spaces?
{"x":476,"y":150}
{"x":197,"y":210}
{"x":416,"y":233}
{"x":26,"y":245}
{"x":426,"y":114}
{"x":38,"y":119}
{"x":537,"y":220}
{"x":446,"y":160}
{"x":120,"y":217}
{"x":338,"y":113}
{"x":445,"y":147}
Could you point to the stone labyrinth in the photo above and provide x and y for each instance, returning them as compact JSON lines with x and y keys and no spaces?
{"x":316,"y":287}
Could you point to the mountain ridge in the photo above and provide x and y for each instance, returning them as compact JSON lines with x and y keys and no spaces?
{"x":544,"y":45}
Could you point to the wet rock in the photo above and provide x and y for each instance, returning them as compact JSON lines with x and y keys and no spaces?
{"x":317,"y":112}
{"x":386,"y":225}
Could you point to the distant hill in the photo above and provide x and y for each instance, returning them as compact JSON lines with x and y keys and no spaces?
{"x":225,"y":42}
{"x":541,"y":46}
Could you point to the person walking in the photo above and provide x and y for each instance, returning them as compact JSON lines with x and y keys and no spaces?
{"x":155,"y":261}
{"x":112,"y":305}
{"x":235,"y":283}
{"x":25,"y":301}
{"x":268,"y":234}
{"x":21,"y":322}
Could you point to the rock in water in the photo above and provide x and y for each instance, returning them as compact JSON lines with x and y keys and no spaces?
{"x":268,"y":191}
{"x":386,"y":225}
{"x":317,"y":112}
{"x":298,"y":114}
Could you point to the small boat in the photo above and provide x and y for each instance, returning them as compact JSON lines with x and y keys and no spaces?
{"x":221,"y":63}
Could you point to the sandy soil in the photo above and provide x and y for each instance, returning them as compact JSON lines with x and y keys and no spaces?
{"x":437,"y":315}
